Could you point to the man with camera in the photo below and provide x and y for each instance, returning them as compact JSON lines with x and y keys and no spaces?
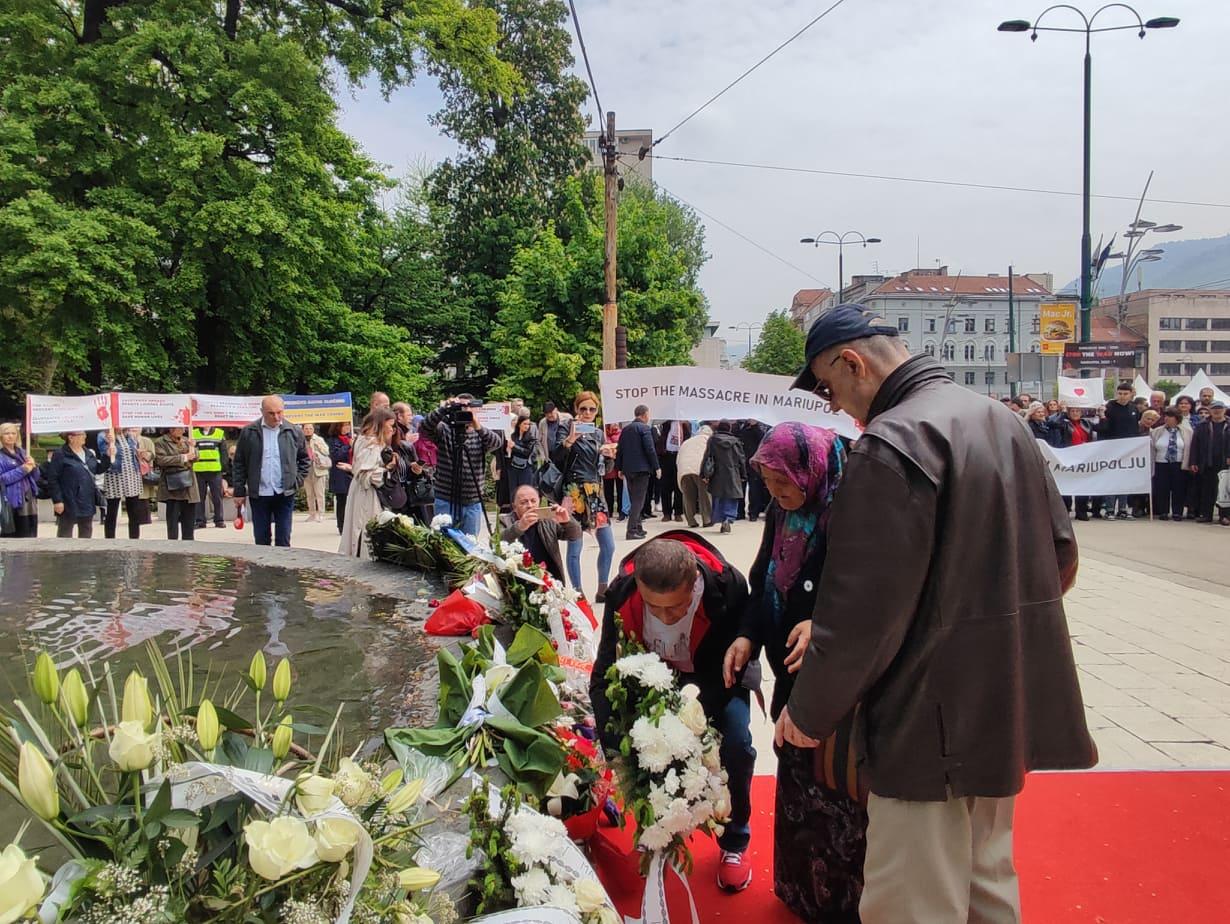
{"x":460,"y":472}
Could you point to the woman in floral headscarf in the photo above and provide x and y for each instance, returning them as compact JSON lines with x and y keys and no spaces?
{"x":820,"y":829}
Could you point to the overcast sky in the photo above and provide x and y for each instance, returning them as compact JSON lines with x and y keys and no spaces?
{"x":913,"y":88}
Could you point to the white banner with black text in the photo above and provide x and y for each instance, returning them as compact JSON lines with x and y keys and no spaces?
{"x":692,"y":393}
{"x":1103,"y":468}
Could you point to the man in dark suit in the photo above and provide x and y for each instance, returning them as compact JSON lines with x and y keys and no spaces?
{"x":638,"y":461}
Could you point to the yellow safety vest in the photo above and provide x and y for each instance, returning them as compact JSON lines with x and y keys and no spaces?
{"x":208,"y":449}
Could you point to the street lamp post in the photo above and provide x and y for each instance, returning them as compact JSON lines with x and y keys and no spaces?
{"x":840,"y":241}
{"x":749,"y":328}
{"x":1021,"y":25}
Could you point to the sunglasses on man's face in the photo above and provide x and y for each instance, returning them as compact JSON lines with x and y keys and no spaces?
{"x":823,"y":389}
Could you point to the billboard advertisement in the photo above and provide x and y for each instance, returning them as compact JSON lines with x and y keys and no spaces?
{"x":1058,"y":326}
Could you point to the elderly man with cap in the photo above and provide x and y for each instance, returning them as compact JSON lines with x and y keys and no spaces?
{"x":1210,"y":454}
{"x":930,"y":616}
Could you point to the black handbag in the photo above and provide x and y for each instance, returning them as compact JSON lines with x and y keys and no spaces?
{"x":179,"y":481}
{"x":420,"y":491}
{"x":551,"y":481}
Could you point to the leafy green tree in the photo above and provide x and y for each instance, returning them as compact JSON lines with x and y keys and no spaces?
{"x":547,"y":341}
{"x":177,"y":205}
{"x":498,"y":193}
{"x":780,"y":348}
{"x":1170,"y":387}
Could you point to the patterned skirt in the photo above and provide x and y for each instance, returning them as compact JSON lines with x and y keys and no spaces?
{"x":588,"y":505}
{"x":819,"y":842}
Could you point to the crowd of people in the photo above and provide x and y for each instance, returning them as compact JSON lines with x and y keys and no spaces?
{"x":1190,"y":450}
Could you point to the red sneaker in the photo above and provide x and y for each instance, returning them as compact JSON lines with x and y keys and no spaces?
{"x":734,"y":871}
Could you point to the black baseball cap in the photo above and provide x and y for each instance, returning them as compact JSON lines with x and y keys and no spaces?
{"x":840,"y":324}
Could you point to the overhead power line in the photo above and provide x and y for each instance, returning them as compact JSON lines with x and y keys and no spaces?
{"x":739,"y":234}
{"x":924,"y":180}
{"x":730,"y":85}
{"x":576,"y":23}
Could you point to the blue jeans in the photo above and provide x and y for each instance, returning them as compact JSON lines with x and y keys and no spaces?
{"x":273,"y":511}
{"x":625,"y":503}
{"x":471,"y":521}
{"x":725,"y":509}
{"x":606,"y":554}
{"x":739,"y":761}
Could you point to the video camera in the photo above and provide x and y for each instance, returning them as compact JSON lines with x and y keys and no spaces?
{"x":460,"y":414}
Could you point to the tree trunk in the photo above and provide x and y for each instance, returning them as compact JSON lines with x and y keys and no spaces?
{"x":230,"y":25}
{"x":95,"y":14}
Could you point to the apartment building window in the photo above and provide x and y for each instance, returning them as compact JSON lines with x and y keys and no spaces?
{"x":1035,"y":326}
{"x":1170,"y":324}
{"x":1169,"y":368}
{"x":969,"y":352}
{"x":1196,"y":346}
{"x":969,"y":378}
{"x":1220,"y":346}
{"x":1033,"y":347}
{"x":1220,"y":323}
{"x":1170,"y":346}
{"x":1219,"y":368}
{"x":931,"y":322}
{"x":950,"y":352}
{"x":929,"y":349}
{"x":1195,"y":323}
{"x":903,"y":325}
{"x":989,"y":326}
{"x":971,"y":325}
{"x":990,"y":378}
{"x":988,"y":352}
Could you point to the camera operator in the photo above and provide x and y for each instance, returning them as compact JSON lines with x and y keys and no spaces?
{"x":463,"y":444}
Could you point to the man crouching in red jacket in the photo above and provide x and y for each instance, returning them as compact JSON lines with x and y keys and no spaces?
{"x":681,"y":599}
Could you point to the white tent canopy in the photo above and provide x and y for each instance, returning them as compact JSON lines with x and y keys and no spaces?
{"x":1201,"y":380}
{"x":1142,"y":388}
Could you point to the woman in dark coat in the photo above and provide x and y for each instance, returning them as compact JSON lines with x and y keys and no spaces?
{"x":582,"y":456}
{"x":70,"y":478}
{"x":820,"y":828}
{"x":724,"y":470}
{"x":521,"y":456}
{"x":174,"y":454}
{"x":340,"y":473}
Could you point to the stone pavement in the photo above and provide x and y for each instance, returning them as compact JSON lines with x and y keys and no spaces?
{"x":1150,"y":620}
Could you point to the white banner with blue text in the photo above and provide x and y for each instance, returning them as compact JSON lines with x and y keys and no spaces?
{"x":1103,"y":468}
{"x":692,"y":393}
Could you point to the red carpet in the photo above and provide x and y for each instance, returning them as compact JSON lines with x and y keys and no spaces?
{"x":1091,"y":848}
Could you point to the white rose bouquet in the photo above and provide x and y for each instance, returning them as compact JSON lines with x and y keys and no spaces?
{"x":668,"y":768}
{"x":172,"y":808}
{"x":530,"y":861}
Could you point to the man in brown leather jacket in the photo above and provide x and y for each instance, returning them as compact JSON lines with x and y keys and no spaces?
{"x":940,"y":610}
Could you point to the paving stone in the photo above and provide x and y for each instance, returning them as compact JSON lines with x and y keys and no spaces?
{"x":1150,"y":725}
{"x":1198,"y":755}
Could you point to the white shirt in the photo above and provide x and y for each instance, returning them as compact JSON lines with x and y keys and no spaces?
{"x":673,"y":643}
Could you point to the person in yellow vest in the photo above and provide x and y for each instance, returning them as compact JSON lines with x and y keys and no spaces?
{"x":208,"y":469}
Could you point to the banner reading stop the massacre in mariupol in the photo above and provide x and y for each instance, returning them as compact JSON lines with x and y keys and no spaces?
{"x":1103,"y":468}
{"x":690,"y":393}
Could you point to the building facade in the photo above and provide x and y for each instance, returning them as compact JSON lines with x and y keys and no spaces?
{"x":629,"y":144}
{"x":1186,"y":330}
{"x":710,"y":353}
{"x":963,"y":321}
{"x":807,"y":305}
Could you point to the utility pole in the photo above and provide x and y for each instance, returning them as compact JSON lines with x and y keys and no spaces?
{"x":1011,"y":329}
{"x":610,"y":310}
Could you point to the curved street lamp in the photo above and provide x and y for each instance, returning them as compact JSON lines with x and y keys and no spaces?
{"x":750,"y":327}
{"x":1140,"y":26}
{"x":840,"y":240}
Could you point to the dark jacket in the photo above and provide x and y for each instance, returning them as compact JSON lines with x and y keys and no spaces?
{"x":549,"y":534}
{"x":71,"y":482}
{"x":1210,"y":447}
{"x":1041,"y":431}
{"x":751,"y":434}
{"x":339,"y":451}
{"x":248,"y":451}
{"x":761,"y":625}
{"x":636,"y":453}
{"x":582,"y":462}
{"x":956,"y":645}
{"x":1122,"y":422}
{"x":729,"y":465}
{"x":1061,"y":430}
{"x":716,"y":625}
{"x":662,"y":433}
{"x":468,"y":447}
